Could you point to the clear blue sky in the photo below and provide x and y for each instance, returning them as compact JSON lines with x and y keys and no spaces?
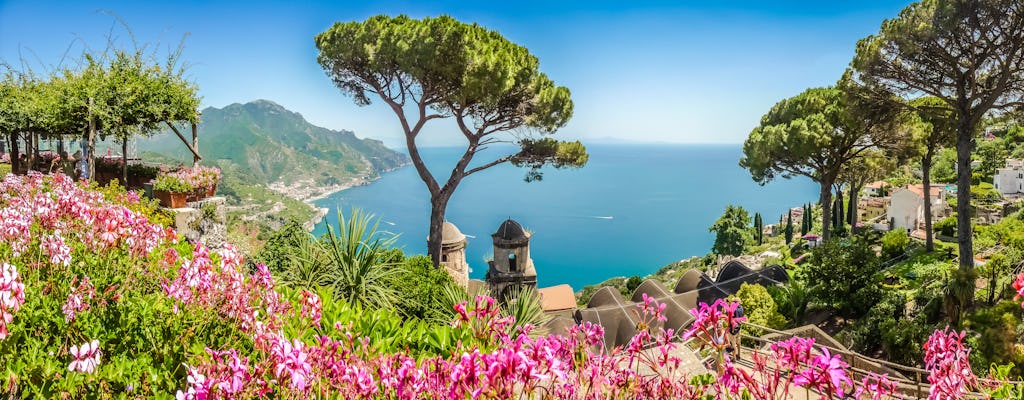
{"x":694,"y":72}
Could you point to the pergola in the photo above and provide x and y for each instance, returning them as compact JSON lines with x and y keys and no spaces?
{"x":123,"y":94}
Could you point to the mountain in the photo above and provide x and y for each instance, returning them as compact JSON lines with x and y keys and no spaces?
{"x":274,"y":146}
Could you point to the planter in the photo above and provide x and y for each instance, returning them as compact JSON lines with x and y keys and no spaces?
{"x":136,"y":181}
{"x":211,"y":190}
{"x":197,"y":194}
{"x":105,"y":177}
{"x":170,"y":199}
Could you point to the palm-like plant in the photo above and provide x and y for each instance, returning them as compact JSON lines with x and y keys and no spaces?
{"x":355,"y":258}
{"x":450,"y":296}
{"x":521,"y":303}
{"x":307,"y":267}
{"x":524,"y":305}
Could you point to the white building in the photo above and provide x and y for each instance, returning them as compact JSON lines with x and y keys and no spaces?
{"x":875,"y":189}
{"x":906,"y":208}
{"x":1010,"y":179}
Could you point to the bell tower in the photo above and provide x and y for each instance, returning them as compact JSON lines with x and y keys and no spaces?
{"x":512,"y":266}
{"x":453,"y":254}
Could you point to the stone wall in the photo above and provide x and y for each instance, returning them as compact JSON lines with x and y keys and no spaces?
{"x":204,"y":220}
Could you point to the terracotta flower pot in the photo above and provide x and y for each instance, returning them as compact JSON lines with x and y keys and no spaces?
{"x":136,"y":181}
{"x":211,"y":190}
{"x":195,"y":194}
{"x":170,"y":199}
{"x":104,"y":177}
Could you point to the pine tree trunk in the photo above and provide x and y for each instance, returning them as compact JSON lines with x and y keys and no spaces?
{"x":826,"y":209}
{"x":839,"y":217}
{"x":852,"y":215}
{"x":926,"y":165}
{"x":438,"y":205}
{"x":992,"y":287}
{"x":964,"y":147}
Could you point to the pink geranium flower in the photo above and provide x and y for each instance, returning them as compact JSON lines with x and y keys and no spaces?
{"x":311,"y":306}
{"x":291,"y":363}
{"x":86,"y":358}
{"x":78,"y":299}
{"x":12,"y":296}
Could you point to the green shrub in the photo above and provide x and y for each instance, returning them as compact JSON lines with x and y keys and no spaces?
{"x":998,"y":329}
{"x":760,"y":308}
{"x":946,"y":226}
{"x":143,"y":170}
{"x":838,"y":270}
{"x":887,"y":328}
{"x":278,"y":253}
{"x":523,"y":304}
{"x":894,"y":243}
{"x":632,"y":283}
{"x":389,"y":332}
{"x":420,"y":285}
{"x":985,"y":193}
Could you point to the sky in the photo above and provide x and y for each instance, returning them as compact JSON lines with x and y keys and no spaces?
{"x":639,"y":71}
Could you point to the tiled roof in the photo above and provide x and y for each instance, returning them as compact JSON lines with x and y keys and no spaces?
{"x":919,"y":190}
{"x":556,"y":298}
{"x":618,"y":315}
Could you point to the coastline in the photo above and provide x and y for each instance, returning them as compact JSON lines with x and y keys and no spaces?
{"x":308,"y":192}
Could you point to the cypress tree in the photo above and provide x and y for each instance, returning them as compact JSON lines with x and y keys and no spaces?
{"x":789,"y":227}
{"x":835,"y":216}
{"x":758,"y":229}
{"x":840,"y":215}
{"x":810,"y":218}
{"x":807,"y":220}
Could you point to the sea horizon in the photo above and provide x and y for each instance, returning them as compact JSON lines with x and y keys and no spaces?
{"x":645,"y":207}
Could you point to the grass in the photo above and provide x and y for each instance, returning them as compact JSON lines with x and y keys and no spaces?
{"x":922,"y":267}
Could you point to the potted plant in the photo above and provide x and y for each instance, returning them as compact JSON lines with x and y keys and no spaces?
{"x":172,"y":190}
{"x":139,"y":174}
{"x":210,"y":177}
{"x":108,"y":168}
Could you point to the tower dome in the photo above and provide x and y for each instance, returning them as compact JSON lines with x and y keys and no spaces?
{"x":453,"y":253}
{"x":450,"y":234}
{"x":511,"y":233}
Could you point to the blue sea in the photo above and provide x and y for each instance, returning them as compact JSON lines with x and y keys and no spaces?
{"x":631,"y":210}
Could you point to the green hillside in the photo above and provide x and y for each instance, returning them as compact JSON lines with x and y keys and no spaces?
{"x":271,"y":144}
{"x":272,"y":159}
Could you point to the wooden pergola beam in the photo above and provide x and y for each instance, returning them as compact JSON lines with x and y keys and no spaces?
{"x":195,"y":153}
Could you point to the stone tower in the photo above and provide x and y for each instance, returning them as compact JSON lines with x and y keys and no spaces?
{"x":512,"y":266}
{"x":453,"y":254}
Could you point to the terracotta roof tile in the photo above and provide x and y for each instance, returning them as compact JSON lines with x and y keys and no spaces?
{"x":555,"y":298}
{"x":919,"y":190}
